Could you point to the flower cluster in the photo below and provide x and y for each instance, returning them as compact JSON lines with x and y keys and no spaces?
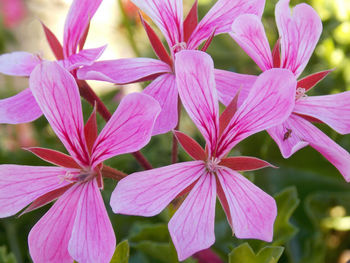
{"x":77,"y":226}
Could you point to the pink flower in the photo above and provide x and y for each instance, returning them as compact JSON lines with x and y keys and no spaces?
{"x":299,"y":34}
{"x":249,"y":210}
{"x":12,"y":11}
{"x":23,"y":107}
{"x":179,"y":34}
{"x":77,"y":226}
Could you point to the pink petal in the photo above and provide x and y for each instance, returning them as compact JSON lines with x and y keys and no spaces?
{"x":303,"y":132}
{"x":57,"y":94}
{"x":196,"y":85}
{"x":299,"y":34}
{"x":93,"y":238}
{"x":192,"y":226}
{"x":123,"y":71}
{"x":269,"y":103}
{"x":78,"y":19}
{"x":48,"y":239}
{"x":229,"y":83}
{"x":249,"y":33}
{"x":221,"y":16}
{"x":18,"y":63}
{"x":331,"y":109}
{"x":20,"y":108}
{"x":253,"y":211}
{"x":85,"y":57}
{"x":129,"y":129}
{"x":164,"y":90}
{"x":167,"y":15}
{"x":147,"y":193}
{"x":20,"y":185}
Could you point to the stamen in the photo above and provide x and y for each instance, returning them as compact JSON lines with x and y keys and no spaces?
{"x":69,"y":177}
{"x":300,"y":93}
{"x":179,"y":46}
{"x":212,"y":164}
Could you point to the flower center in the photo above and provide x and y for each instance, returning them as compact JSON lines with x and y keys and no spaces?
{"x":81,"y":177}
{"x":212,"y":164}
{"x":179,"y":46}
{"x":300,"y":93}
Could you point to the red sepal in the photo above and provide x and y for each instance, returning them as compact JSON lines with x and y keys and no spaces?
{"x":90,"y":130}
{"x":83,"y":38}
{"x":310,"y":81}
{"x":191,"y":146}
{"x":54,"y":157}
{"x":309,"y":118}
{"x":99,"y":179}
{"x":228,"y":113}
{"x":276,"y":55}
{"x":157,"y":45}
{"x":245,"y":163}
{"x":186,"y":190}
{"x":45,"y":199}
{"x":191,"y":21}
{"x":208,"y":42}
{"x":55,"y":45}
{"x":223,"y":201}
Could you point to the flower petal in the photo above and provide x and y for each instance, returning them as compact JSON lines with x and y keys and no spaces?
{"x":147,"y":193}
{"x":129,"y":129}
{"x":192,"y":226}
{"x":78,"y":19}
{"x":123,"y":71}
{"x":229,"y":83}
{"x":48,"y":239}
{"x":167,"y":15}
{"x":269,"y":103}
{"x":18,"y":63}
{"x":253,"y":211}
{"x":221,"y":16}
{"x":164,"y":90}
{"x":20,"y":108}
{"x":302,"y":132}
{"x":334,"y":110}
{"x":248,"y":31}
{"x":299,"y":34}
{"x":196,"y":85}
{"x":20,"y":185}
{"x":57,"y":94}
{"x":93,"y":238}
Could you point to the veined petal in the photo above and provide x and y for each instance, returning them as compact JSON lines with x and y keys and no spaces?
{"x":269,"y":103}
{"x":303,"y":131}
{"x":221,"y":16}
{"x":78,"y":19}
{"x":196,"y":85}
{"x":48,"y":239}
{"x":20,"y":185}
{"x":93,"y":238}
{"x":57,"y":94}
{"x":20,"y":108}
{"x":334,"y":110}
{"x":229,"y":83}
{"x":147,"y":193}
{"x":167,"y":15}
{"x":85,"y":57}
{"x":123,"y":71}
{"x":248,"y":31}
{"x":129,"y":129}
{"x":192,"y":226}
{"x":164,"y":90}
{"x":253,"y":211}
{"x":299,"y":34}
{"x":18,"y":63}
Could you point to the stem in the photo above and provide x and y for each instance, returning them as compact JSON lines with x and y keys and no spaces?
{"x":174,"y":150}
{"x":90,"y":96}
{"x":110,"y":172}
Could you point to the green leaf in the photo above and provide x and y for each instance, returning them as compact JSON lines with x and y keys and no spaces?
{"x":6,"y":257}
{"x":121,"y":254}
{"x":244,"y":253}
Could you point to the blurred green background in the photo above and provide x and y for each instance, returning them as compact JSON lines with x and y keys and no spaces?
{"x":313,"y":199}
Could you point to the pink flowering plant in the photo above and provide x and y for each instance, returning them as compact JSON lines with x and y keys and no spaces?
{"x":134,"y":182}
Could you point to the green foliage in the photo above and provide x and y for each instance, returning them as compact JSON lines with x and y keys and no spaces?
{"x":122,"y":253}
{"x":6,"y":257}
{"x":244,"y":253}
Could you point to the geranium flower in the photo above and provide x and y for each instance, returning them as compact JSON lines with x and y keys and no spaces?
{"x":23,"y":107}
{"x":12,"y":12}
{"x":179,"y":34}
{"x":299,"y":34}
{"x":249,"y":210}
{"x":77,"y":225}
